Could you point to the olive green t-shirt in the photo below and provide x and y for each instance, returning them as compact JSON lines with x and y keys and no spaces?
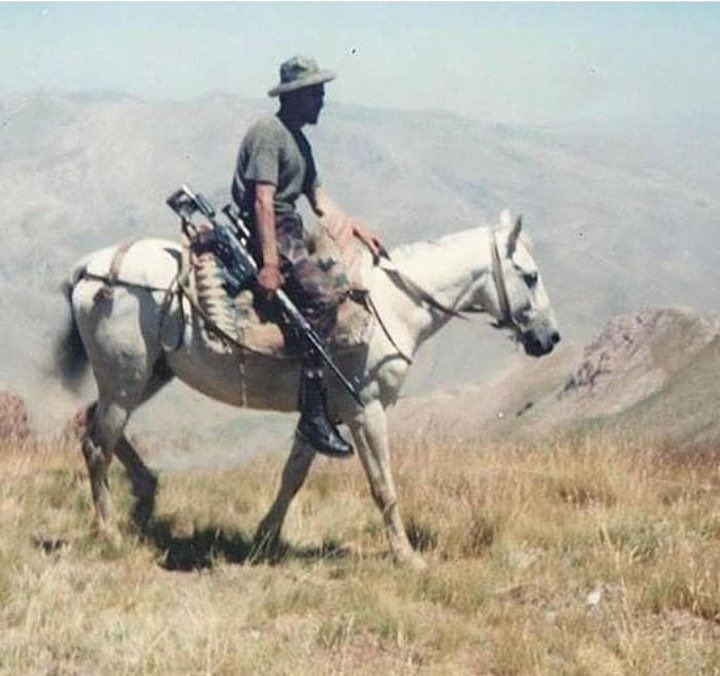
{"x":273,"y":153}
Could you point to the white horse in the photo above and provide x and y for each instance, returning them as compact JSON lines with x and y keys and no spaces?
{"x":137,"y":341}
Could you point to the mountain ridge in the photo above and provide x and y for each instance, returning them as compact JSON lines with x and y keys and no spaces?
{"x":88,"y":170}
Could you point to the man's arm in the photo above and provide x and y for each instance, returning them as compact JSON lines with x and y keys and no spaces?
{"x":269,"y":277}
{"x":341,"y":226}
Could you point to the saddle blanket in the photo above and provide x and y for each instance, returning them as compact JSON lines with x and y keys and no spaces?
{"x":234,"y":322}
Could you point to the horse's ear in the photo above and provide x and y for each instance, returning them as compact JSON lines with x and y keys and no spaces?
{"x":505,"y":219}
{"x":514,"y":234}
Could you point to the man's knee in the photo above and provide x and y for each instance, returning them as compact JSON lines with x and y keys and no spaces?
{"x":324,"y":283}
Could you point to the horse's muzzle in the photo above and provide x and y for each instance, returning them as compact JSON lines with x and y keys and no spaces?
{"x":539,"y":343}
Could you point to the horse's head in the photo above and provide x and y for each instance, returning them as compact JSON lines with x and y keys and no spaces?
{"x":516,"y":296}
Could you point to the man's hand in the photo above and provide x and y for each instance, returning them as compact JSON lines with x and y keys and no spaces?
{"x":269,"y":279}
{"x":370,"y":240}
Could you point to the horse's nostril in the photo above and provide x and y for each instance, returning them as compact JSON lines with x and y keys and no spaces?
{"x":555,"y":338}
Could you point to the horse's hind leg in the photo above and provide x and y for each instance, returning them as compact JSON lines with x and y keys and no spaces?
{"x":105,"y":427}
{"x":143,"y":482}
{"x":121,"y":337}
{"x":267,"y":536}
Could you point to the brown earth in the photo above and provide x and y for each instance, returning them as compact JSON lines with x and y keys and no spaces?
{"x":14,"y":419}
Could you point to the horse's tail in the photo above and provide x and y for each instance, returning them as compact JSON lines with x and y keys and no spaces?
{"x":71,"y":358}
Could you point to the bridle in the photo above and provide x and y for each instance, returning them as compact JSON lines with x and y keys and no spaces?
{"x":506,"y":320}
{"x":411,"y":287}
{"x":404,"y":282}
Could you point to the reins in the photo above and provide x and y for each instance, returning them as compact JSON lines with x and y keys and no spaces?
{"x":411,"y":287}
{"x":407,"y":284}
{"x":373,"y":308}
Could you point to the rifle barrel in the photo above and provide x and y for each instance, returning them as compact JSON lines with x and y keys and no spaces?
{"x":317,"y":344}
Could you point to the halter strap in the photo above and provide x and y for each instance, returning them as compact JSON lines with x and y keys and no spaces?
{"x":500,"y":286}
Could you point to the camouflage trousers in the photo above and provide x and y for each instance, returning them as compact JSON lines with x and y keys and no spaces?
{"x":317,"y":284}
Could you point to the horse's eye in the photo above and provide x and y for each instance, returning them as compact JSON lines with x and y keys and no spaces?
{"x":531,"y":279}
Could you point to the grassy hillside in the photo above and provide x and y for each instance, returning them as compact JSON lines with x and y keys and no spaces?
{"x":587,"y":555}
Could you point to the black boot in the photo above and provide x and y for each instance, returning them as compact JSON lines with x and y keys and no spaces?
{"x":314,"y":425}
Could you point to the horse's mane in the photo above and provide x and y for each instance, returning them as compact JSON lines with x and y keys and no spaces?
{"x":411,"y":250}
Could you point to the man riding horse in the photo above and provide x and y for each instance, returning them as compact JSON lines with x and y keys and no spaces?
{"x":274,"y":167}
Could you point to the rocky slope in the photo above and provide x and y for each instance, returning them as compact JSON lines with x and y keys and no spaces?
{"x":652,"y":372}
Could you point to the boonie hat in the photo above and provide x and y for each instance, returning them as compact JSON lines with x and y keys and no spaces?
{"x":299,"y":72}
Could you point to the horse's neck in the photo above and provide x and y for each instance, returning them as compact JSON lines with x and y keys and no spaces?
{"x":446,"y":268}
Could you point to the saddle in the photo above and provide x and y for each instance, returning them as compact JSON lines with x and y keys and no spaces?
{"x":233,"y":318}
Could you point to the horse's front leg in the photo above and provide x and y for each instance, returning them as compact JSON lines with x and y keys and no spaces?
{"x":267,"y":536}
{"x":369,"y":429}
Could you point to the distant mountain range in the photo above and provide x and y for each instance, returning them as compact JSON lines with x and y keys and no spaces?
{"x":621,"y":220}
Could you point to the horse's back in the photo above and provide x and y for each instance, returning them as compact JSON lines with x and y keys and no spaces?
{"x":147,"y":262}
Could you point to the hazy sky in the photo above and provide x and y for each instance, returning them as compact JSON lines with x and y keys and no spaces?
{"x":517,"y":62}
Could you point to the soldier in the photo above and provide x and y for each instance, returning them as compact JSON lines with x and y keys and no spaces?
{"x":274,"y":167}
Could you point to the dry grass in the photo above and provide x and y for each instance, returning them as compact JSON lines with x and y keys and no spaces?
{"x":577,"y":556}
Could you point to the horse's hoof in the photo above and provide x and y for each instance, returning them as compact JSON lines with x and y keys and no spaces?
{"x":266,"y":549}
{"x":412,"y":561}
{"x":417,"y":564}
{"x":142,"y":515}
{"x":109,"y":535}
